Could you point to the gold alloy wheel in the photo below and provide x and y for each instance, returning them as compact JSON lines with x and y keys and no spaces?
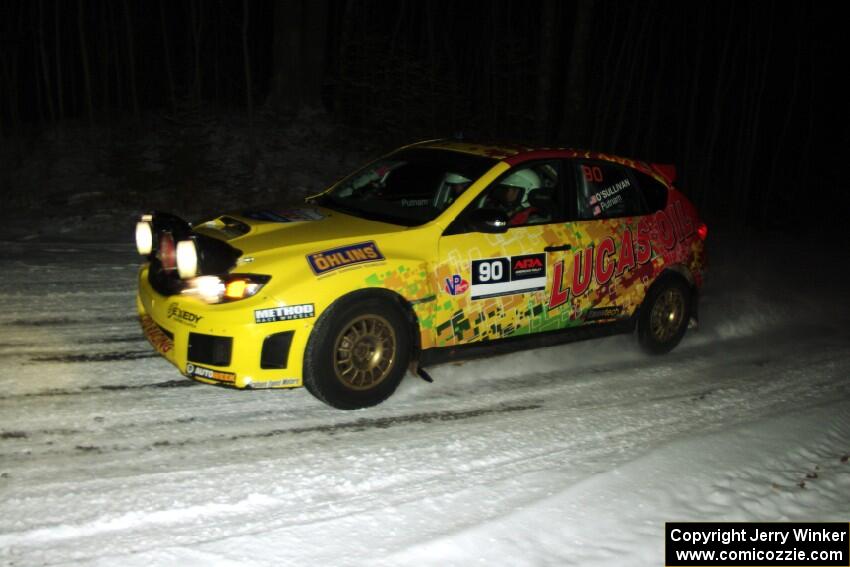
{"x":364,"y":352}
{"x":666,"y":316}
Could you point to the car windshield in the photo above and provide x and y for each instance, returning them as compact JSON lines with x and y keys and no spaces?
{"x":410,"y":187}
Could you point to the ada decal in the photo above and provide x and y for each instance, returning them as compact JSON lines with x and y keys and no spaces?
{"x":285,"y":313}
{"x":209,"y":373}
{"x":183,"y":316}
{"x":288,"y":215}
{"x":508,"y":276}
{"x":335,"y":258}
{"x":456,"y":285}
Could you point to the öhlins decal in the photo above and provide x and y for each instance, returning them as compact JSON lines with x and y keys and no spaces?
{"x":336,"y":258}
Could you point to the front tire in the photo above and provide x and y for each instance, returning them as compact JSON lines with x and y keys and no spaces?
{"x":664,"y":315}
{"x":358,"y":352}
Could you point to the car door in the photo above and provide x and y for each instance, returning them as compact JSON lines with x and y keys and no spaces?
{"x":497,"y":285}
{"x":605,"y":275}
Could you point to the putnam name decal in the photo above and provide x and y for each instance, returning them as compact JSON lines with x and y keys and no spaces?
{"x":344,"y":256}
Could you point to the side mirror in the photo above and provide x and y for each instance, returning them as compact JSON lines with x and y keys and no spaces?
{"x":493,"y":221}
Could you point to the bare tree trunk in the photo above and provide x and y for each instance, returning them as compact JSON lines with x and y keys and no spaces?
{"x":84,"y":56}
{"x":755,"y":125}
{"x":249,"y":94}
{"x":106,"y":38}
{"x":197,"y":22}
{"x":167,"y":50}
{"x":131,"y":58}
{"x":786,"y":125}
{"x":625,"y":94}
{"x":546,"y":70}
{"x":59,"y":90}
{"x":48,"y":89}
{"x":721,"y":90}
{"x":300,"y":30}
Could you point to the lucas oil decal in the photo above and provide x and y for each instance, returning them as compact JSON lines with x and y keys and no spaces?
{"x":335,"y":258}
{"x":508,"y":276}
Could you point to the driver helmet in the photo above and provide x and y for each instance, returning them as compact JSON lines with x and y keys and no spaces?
{"x":525,"y":180}
{"x":455,"y":179}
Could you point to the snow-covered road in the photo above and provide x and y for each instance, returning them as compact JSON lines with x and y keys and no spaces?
{"x":572,"y":455}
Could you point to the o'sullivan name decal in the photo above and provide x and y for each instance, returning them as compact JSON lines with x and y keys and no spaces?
{"x":344,"y":256}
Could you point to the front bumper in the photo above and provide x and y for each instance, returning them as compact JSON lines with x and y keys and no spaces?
{"x":222,"y":343}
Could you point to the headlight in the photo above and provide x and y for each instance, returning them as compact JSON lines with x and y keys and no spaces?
{"x":233,"y":287}
{"x":144,"y":237}
{"x":187,"y":259}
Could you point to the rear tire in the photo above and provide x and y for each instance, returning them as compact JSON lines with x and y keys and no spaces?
{"x":358,"y":352}
{"x":664,"y":315}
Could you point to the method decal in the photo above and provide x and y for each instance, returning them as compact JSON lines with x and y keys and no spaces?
{"x":335,"y":258}
{"x":285,"y":313}
{"x":494,"y":277}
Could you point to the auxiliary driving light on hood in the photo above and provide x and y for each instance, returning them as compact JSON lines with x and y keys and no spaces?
{"x":187,"y":259}
{"x":144,"y":237}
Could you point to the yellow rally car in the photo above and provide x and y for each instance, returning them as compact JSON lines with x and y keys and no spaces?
{"x":438,"y":250}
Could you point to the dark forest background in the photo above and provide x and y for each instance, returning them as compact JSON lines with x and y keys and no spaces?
{"x":744,"y":97}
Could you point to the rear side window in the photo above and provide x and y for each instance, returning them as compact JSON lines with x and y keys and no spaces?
{"x":654,"y":192}
{"x":605,"y":190}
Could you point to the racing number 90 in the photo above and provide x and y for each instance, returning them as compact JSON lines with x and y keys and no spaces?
{"x":488,"y":271}
{"x":492,"y":270}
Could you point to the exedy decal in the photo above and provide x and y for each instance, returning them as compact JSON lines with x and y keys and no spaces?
{"x":285,"y":313}
{"x":335,"y":258}
{"x":183,"y":316}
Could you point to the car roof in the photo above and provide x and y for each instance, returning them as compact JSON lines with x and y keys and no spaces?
{"x":516,"y":153}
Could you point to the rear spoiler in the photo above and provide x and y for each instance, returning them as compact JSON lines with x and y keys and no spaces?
{"x":665,"y":170}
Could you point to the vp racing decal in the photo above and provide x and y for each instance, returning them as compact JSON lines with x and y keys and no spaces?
{"x":494,"y":277}
{"x":335,"y":258}
{"x":456,"y":285}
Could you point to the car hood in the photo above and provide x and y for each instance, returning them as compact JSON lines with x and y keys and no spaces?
{"x":299,"y":229}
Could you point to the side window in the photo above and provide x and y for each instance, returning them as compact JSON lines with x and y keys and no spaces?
{"x":605,"y":190}
{"x":528,"y":194}
{"x":654,"y":192}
